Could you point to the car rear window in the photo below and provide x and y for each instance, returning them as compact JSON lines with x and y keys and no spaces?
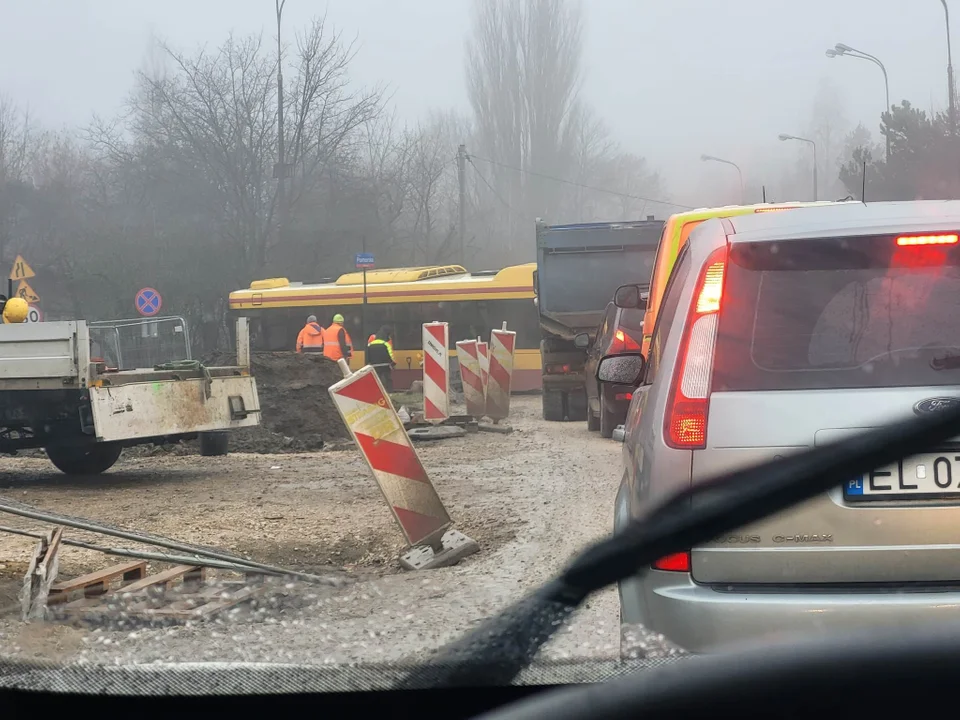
{"x":631,"y":319}
{"x":839,"y":313}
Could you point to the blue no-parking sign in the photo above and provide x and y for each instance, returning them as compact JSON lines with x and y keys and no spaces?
{"x":148,"y":302}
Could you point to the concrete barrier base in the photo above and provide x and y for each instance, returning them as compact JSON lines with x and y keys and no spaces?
{"x":455,"y":547}
{"x":436,"y":432}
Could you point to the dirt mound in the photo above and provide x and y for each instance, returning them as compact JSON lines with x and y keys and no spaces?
{"x":297,"y":412}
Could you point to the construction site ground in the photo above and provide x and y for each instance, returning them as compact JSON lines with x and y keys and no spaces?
{"x":531,"y":499}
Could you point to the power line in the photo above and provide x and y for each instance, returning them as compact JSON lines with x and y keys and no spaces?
{"x":490,"y":187}
{"x":580,"y":185}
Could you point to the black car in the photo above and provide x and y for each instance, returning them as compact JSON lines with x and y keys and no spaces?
{"x":620,"y":331}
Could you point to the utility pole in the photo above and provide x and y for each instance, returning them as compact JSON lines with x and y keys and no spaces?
{"x":462,"y":177}
{"x":280,"y":169}
{"x":951,"y":88}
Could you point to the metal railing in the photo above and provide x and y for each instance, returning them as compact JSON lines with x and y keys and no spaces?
{"x":140,"y":342}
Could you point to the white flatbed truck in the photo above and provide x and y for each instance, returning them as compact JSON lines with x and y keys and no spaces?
{"x":54,"y":396}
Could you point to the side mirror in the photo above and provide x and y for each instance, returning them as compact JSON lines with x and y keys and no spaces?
{"x":581,"y":341}
{"x":626,"y":369}
{"x":630,"y":297}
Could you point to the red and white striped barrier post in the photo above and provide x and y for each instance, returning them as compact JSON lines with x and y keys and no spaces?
{"x":502,"y":344}
{"x":483,"y":352}
{"x":473,"y":395}
{"x":373,"y":423}
{"x":436,"y":371}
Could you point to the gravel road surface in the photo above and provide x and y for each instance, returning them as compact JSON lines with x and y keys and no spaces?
{"x":531,"y":499}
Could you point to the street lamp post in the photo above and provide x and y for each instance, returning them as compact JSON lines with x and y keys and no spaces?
{"x":711,"y":158}
{"x":784,"y":136}
{"x":951,"y":90}
{"x":841,"y":50}
{"x":280,"y":171}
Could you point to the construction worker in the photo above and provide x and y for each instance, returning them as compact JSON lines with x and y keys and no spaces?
{"x":380,"y":355}
{"x":373,"y":336}
{"x":336,"y":340}
{"x":310,"y":338}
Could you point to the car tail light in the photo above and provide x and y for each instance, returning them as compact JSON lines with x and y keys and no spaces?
{"x":623,"y":342}
{"x":776,"y":209}
{"x":557,"y":369}
{"x":685,"y":421}
{"x":678,"y":562}
{"x":623,"y":396}
{"x":909,"y":240}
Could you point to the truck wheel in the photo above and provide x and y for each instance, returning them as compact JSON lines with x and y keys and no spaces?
{"x":608,"y":422}
{"x":552,"y":405}
{"x":90,"y":459}
{"x":593,"y":422}
{"x":214,"y":444}
{"x":577,"y":406}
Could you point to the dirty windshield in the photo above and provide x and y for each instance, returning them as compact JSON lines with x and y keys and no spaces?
{"x":292,"y":294}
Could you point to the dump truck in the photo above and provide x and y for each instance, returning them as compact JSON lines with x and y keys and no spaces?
{"x":58,"y":395}
{"x":579,"y":267}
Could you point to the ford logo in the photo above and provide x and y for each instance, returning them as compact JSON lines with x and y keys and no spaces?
{"x":937,"y":404}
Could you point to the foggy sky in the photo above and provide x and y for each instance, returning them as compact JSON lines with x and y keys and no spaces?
{"x":672,"y":78}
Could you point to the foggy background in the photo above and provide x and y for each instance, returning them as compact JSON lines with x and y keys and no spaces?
{"x":135,"y":151}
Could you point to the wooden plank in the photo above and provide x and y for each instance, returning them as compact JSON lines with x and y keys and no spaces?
{"x":96,"y":583}
{"x":40,"y":576}
{"x":180,"y":611}
{"x":194,"y":579}
{"x":52,"y":549}
{"x":29,"y":579}
{"x":47,"y":572}
{"x":199,"y":605}
{"x":97,"y":608}
{"x":80,"y":604}
{"x":26,"y":592}
{"x":163,"y":579}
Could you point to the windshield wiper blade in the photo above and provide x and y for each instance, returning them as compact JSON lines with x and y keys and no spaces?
{"x":502,"y":646}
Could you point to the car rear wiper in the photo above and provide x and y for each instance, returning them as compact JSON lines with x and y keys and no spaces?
{"x":947,"y":362}
{"x":494,"y":652}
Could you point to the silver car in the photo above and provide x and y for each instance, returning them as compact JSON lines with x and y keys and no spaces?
{"x":779,"y":332}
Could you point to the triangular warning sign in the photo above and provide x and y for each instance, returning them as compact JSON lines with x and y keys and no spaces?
{"x":21,"y":271}
{"x":26,"y":292}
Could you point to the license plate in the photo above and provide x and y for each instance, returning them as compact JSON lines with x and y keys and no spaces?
{"x":932,"y":475}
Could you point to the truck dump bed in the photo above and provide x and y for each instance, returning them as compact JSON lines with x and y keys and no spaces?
{"x":44,"y":356}
{"x":46,"y":375}
{"x":580,"y":266}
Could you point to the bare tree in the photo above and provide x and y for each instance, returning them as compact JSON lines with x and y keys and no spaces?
{"x":432,"y":188}
{"x":16,"y":136}
{"x":384,"y":160}
{"x":827,"y":127}
{"x":178,"y":192}
{"x":523,"y":79}
{"x":214,"y":116}
{"x":592,"y":150}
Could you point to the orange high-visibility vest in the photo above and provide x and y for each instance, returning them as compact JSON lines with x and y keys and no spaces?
{"x":310,"y":338}
{"x":331,"y":342}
